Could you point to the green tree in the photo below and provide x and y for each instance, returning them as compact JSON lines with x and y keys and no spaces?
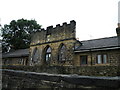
{"x":17,"y":34}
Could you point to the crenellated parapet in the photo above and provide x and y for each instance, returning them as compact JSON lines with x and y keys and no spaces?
{"x":60,"y":32}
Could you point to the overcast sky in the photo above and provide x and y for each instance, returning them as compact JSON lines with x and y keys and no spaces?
{"x":94,"y":18}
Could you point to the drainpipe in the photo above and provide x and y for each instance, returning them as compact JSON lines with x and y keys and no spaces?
{"x":91,"y":57}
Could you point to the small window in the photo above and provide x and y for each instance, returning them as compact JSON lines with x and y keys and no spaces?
{"x":101,"y":59}
{"x":20,"y":61}
{"x":104,"y":58}
{"x":83,"y":60}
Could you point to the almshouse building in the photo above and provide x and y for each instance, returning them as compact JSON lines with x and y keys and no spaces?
{"x":59,"y":46}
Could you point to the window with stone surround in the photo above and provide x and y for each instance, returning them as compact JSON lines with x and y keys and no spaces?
{"x":62,"y":53}
{"x":84,"y":60}
{"x":101,"y":59}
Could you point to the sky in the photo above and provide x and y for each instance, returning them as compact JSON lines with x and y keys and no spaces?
{"x":94,"y":18}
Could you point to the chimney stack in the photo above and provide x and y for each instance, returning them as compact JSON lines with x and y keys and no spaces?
{"x":119,"y":14}
{"x":118,"y":28}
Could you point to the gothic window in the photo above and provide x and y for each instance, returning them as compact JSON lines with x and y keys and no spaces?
{"x":62,"y":53}
{"x":35,"y":55}
{"x":48,"y":55}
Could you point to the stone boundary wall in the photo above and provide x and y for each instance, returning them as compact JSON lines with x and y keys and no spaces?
{"x":22,"y":79}
{"x":82,"y":70}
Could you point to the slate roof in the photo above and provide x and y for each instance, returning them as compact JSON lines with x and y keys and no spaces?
{"x":16,"y":53}
{"x":99,"y":44}
{"x":88,"y":45}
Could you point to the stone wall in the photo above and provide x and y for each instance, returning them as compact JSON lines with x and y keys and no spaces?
{"x":13,"y":79}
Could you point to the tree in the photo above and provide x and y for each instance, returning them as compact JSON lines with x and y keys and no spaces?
{"x":17,"y":34}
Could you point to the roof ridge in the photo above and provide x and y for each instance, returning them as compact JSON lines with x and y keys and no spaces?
{"x":98,"y":39}
{"x":16,"y":50}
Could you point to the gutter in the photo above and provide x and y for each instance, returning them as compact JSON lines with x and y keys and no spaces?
{"x":15,"y":56}
{"x":98,"y":49}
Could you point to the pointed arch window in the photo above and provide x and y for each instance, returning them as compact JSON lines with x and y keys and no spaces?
{"x":48,"y":55}
{"x":62,"y":53}
{"x":35,"y":55}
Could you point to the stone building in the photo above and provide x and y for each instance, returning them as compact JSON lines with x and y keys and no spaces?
{"x":58,"y":46}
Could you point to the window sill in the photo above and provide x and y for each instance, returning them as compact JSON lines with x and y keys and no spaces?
{"x":84,"y":65}
{"x":103,"y":64}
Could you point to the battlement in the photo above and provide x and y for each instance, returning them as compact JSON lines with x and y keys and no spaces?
{"x":58,"y":26}
{"x":60,"y":32}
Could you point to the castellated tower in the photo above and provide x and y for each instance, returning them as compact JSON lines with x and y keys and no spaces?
{"x":66,"y":31}
{"x":53,"y":46}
